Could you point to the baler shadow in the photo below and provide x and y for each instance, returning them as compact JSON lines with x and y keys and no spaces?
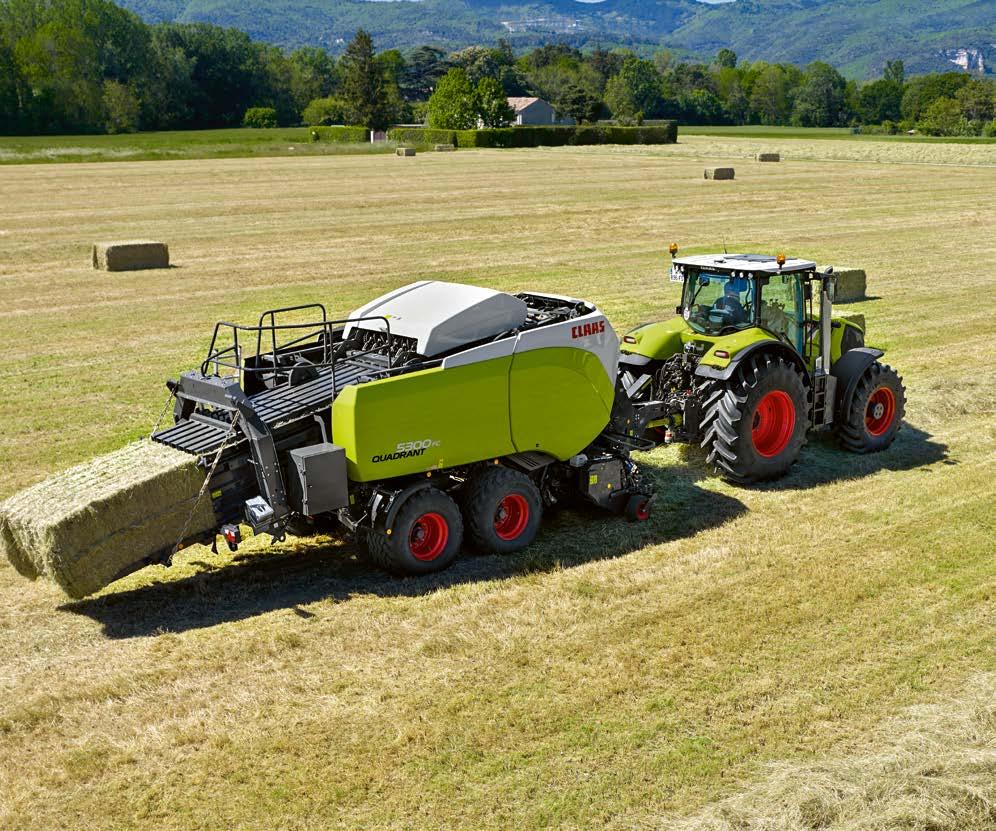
{"x":303,"y":572}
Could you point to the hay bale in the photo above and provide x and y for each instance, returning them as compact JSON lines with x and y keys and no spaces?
{"x":719,"y":173}
{"x":83,"y":527}
{"x":406,"y":151}
{"x":130,"y":256}
{"x":853,"y":317}
{"x":444,"y":148}
{"x":851,"y":284}
{"x":768,"y":157}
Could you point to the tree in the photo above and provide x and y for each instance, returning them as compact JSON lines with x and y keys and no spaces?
{"x":636,"y":90}
{"x":313,"y":75}
{"x":943,"y":118}
{"x":260,"y":117}
{"x":895,"y":72}
{"x":363,"y":84}
{"x":922,"y":91}
{"x":880,"y":101}
{"x":122,"y":108}
{"x":726,"y":58}
{"x":452,"y":106}
{"x":621,"y":101}
{"x":423,"y":69}
{"x":820,"y":101}
{"x":581,"y":104}
{"x":491,"y":104}
{"x":324,"y":111}
{"x":977,"y":99}
{"x":769,"y":97}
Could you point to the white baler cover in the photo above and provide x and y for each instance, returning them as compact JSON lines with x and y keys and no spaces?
{"x":443,"y":316}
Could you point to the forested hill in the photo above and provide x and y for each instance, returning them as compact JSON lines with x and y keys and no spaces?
{"x":857,"y":36}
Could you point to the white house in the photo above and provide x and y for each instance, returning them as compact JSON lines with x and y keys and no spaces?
{"x":535,"y":111}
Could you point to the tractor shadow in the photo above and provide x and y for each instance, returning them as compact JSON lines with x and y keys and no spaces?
{"x":823,"y":460}
{"x":300,"y":572}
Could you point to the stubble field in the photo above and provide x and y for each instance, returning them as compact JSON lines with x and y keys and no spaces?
{"x":677,"y":672}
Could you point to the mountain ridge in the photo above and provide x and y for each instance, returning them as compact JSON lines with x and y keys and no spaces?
{"x":856,"y":36}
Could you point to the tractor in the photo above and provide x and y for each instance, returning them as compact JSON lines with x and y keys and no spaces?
{"x":752,"y":361}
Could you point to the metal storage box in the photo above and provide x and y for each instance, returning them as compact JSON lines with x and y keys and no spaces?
{"x":317,"y":479}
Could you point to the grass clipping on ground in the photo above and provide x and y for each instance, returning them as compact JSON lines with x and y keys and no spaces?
{"x":935,"y":768}
{"x":82,"y":527}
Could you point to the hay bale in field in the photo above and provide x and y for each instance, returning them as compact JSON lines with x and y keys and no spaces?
{"x":719,"y":173}
{"x":853,"y":317}
{"x":130,"y":256}
{"x":83,"y":527}
{"x":406,"y":151}
{"x":768,"y":157}
{"x":444,"y":148}
{"x":851,"y":284}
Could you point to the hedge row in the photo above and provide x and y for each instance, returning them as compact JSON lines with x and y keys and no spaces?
{"x":345,"y":135}
{"x":421,"y":135}
{"x":558,"y":136}
{"x":662,"y":133}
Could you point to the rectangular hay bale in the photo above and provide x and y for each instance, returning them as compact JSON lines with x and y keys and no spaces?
{"x":83,"y":527}
{"x":719,"y":173}
{"x":852,"y":317}
{"x":132,"y":255}
{"x":444,"y":148}
{"x":406,"y":151}
{"x":768,"y":157}
{"x":852,"y":283}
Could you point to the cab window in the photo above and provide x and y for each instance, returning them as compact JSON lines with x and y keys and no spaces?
{"x":781,"y":307}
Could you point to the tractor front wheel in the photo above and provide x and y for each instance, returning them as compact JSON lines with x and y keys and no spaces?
{"x":876,"y":412}
{"x":755,"y":424}
{"x":425,"y":536}
{"x":503,"y":509}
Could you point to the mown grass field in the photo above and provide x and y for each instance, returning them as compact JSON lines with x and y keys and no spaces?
{"x":613,"y":676}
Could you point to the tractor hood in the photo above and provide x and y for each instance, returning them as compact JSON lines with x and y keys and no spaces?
{"x":443,"y":316}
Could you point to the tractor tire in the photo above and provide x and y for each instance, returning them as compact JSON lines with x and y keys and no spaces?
{"x":426,"y":535}
{"x":755,"y":423}
{"x":503,"y":510}
{"x":876,"y":411}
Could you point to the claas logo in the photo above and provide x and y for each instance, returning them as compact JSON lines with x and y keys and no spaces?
{"x":587,"y":329}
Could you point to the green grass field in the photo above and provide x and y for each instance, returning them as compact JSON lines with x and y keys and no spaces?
{"x":294,"y":141}
{"x":184,"y":144}
{"x":816,"y":653}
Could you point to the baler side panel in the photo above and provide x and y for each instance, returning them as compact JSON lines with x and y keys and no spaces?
{"x":561,"y":399}
{"x":425,"y":420}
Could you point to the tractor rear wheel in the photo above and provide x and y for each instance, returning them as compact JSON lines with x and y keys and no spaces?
{"x":755,"y":423}
{"x":876,"y":412}
{"x":425,"y":536}
{"x":503,"y":509}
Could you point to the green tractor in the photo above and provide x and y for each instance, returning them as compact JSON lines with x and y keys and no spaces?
{"x":752,"y":362}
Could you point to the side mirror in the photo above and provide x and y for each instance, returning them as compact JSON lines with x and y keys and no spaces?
{"x":831,"y":287}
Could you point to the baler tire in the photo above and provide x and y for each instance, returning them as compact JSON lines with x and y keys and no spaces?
{"x":502,"y":509}
{"x":755,"y":423}
{"x":879,"y":391}
{"x":425,"y":537}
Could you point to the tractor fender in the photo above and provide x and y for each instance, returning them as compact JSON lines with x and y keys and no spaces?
{"x":773,"y":346}
{"x":848,"y":371}
{"x":397,"y":500}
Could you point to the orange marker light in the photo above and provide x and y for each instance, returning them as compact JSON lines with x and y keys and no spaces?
{"x":673,"y":248}
{"x":780,"y":259}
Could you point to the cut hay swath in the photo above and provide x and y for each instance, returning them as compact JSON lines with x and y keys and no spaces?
{"x":83,"y":527}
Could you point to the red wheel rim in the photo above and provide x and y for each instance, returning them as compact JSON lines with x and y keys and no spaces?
{"x":774,"y":422}
{"x":428,"y":536}
{"x":643,"y":511}
{"x":512,"y":516}
{"x":880,"y":411}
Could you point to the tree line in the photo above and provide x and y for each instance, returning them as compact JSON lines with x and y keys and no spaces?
{"x":75,"y":66}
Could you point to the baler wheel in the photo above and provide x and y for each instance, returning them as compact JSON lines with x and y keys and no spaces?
{"x":876,"y":411}
{"x":503,"y":510}
{"x":426,"y":535}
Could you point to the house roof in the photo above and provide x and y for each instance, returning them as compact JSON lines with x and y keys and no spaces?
{"x":519,"y":104}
